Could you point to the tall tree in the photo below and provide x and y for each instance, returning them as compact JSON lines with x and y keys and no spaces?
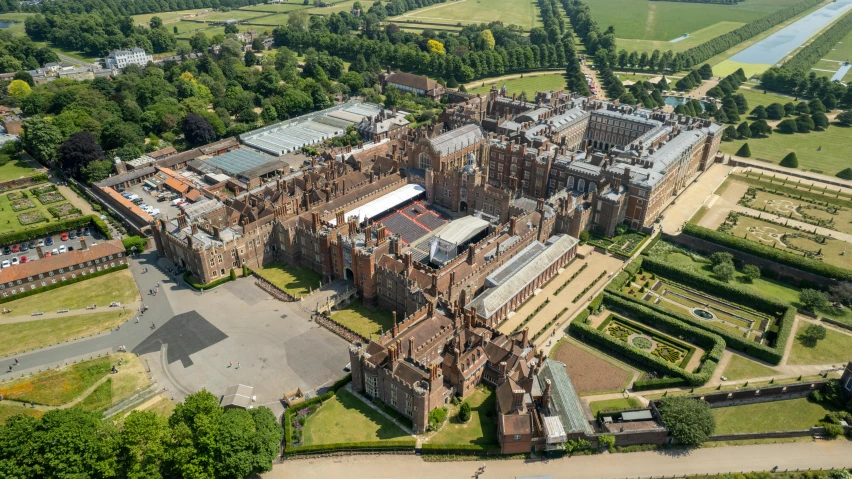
{"x":78,"y":151}
{"x":689,"y":421}
{"x":40,"y":138}
{"x":197,"y":130}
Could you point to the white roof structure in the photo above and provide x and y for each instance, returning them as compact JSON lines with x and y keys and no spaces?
{"x":455,"y":140}
{"x":462,"y":229}
{"x":489,"y":302}
{"x":238,"y":395}
{"x":554,"y":431}
{"x":383,"y":204}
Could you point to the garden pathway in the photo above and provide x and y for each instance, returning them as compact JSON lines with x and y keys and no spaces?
{"x":693,"y":197}
{"x":722,"y":203}
{"x":794,"y":223}
{"x":134,"y":306}
{"x":808,"y":175}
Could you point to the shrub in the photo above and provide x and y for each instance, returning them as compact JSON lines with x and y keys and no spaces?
{"x":436,"y":418}
{"x":233,"y":274}
{"x":833,"y":430}
{"x":584,"y":235}
{"x":51,"y":228}
{"x":790,"y":161}
{"x":187,"y":277}
{"x":751,"y":272}
{"x":813,"y":299}
{"x":812,"y":334}
{"x":464,"y":412}
{"x":134,"y":241}
{"x":724,"y":271}
{"x":608,"y":441}
{"x":744,"y":151}
{"x":690,"y":421}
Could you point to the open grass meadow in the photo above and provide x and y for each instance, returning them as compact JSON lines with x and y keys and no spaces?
{"x":834,"y":349}
{"x":9,"y":409}
{"x":59,"y":386}
{"x":695,"y":38}
{"x":15,"y":169}
{"x":643,"y":20}
{"x":267,"y":19}
{"x":276,"y":7}
{"x":294,"y":280}
{"x":168,"y":17}
{"x":523,"y":13}
{"x":364,"y":320}
{"x":788,"y":415}
{"x":44,"y":332}
{"x":209,"y":31}
{"x":345,"y":418}
{"x":529,"y":84}
{"x":102,"y":290}
{"x":229,"y":15}
{"x":480,"y":430}
{"x":741,"y":368}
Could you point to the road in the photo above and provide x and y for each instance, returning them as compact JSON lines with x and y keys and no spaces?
{"x":66,"y":58}
{"x":671,"y":463}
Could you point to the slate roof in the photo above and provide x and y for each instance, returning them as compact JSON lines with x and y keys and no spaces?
{"x":455,"y":140}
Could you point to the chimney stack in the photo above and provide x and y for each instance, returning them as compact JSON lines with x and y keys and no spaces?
{"x":315,"y":221}
{"x":525,"y":334}
{"x":411,"y":348}
{"x":513,"y":226}
{"x":381,"y":234}
{"x":471,"y":254}
{"x":502,"y":370}
{"x":194,"y":229}
{"x":518,"y":399}
{"x":339,"y":217}
{"x":545,"y":396}
{"x":406,"y":261}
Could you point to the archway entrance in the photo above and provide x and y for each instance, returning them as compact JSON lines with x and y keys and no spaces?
{"x":463,"y":206}
{"x":348,"y":275}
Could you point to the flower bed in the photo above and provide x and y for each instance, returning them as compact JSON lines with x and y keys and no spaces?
{"x":50,"y":197}
{"x":30,"y":217}
{"x":16,"y":195}
{"x":63,"y":210}
{"x":40,"y":190}
{"x":22,"y":204}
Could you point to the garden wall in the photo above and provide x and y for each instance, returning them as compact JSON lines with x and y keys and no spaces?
{"x":814,"y":431}
{"x":785,"y":273}
{"x":764,"y":394}
{"x":22,"y":182}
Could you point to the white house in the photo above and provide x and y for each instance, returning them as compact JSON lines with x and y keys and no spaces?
{"x":122,"y":58}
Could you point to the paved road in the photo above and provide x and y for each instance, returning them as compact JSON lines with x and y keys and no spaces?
{"x":815,"y":455}
{"x":66,"y":58}
{"x":129,"y":335}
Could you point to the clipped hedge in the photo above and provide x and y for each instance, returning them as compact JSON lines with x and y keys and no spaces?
{"x":768,"y":252}
{"x":621,"y":278}
{"x":651,"y":244}
{"x":397,"y":445}
{"x":726,"y":291}
{"x":428,"y":448}
{"x":290,"y":411}
{"x":712,"y":343}
{"x":661,"y":383}
{"x":187,"y":276}
{"x":51,"y":228}
{"x":60,"y":284}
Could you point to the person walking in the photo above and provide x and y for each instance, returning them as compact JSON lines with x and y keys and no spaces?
{"x":230,"y":364}
{"x":238,"y":365}
{"x":16,"y":361}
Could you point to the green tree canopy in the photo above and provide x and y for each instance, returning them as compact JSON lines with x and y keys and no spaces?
{"x":690,"y":421}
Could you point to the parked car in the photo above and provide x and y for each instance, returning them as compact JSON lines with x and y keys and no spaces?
{"x":133,"y":197}
{"x":24,"y":247}
{"x":62,"y":248}
{"x":64,"y":236}
{"x":16,"y":248}
{"x":40,"y":242}
{"x":48,"y":255}
{"x":55,"y":251}
{"x":24,"y":259}
{"x":154,"y":211}
{"x":87,"y":232}
{"x":5,"y":264}
{"x":15,"y":260}
{"x":70,"y":248}
{"x":7,"y":250}
{"x":32,"y":244}
{"x":80,"y":232}
{"x":48,"y":241}
{"x":72,"y":235}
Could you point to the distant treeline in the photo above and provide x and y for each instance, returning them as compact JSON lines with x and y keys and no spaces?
{"x":720,"y":2}
{"x":122,"y":7}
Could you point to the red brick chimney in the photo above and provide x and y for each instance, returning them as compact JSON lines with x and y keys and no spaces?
{"x":381,"y":234}
{"x":411,"y":348}
{"x":471,"y":254}
{"x":315,"y":221}
{"x":545,"y":396}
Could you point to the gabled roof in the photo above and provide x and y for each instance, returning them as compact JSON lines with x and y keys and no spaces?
{"x":455,"y":140}
{"x":411,"y":80}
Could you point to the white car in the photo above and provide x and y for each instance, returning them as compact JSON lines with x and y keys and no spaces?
{"x":62,"y":249}
{"x":40,"y":242}
{"x":154,"y":211}
{"x":15,"y":261}
{"x":5,"y":264}
{"x":55,"y":251}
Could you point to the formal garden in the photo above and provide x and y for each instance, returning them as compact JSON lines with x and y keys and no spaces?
{"x":474,"y":429}
{"x":624,"y":243}
{"x":35,"y":205}
{"x":826,"y":214}
{"x":646,"y":339}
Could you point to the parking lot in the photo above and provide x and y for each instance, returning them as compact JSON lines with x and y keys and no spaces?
{"x":31,"y":253}
{"x":166,"y":208}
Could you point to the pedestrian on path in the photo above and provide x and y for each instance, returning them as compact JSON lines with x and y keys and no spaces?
{"x":230,"y":364}
{"x":16,"y":361}
{"x":238,"y":365}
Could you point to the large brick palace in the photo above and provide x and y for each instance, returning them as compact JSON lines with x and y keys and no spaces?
{"x":452,"y":226}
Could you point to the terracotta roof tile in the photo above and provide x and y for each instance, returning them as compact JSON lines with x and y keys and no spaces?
{"x":64,"y":260}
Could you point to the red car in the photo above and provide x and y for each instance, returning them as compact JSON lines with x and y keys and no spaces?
{"x":16,"y":248}
{"x":23,"y":259}
{"x":64,"y":236}
{"x":47,"y":255}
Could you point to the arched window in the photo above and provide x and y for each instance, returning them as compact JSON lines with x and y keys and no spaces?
{"x":570,"y":182}
{"x":425,"y":161}
{"x":592,"y":187}
{"x":581,"y":185}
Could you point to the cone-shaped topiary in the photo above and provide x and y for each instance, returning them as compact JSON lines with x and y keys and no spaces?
{"x":744,"y":151}
{"x":845,"y":174}
{"x":790,"y":161}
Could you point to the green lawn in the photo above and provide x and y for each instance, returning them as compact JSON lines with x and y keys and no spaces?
{"x":10,"y":220}
{"x":756,"y":97}
{"x":523,"y":13}
{"x":480,"y":430}
{"x":835,"y":348}
{"x":267,"y":19}
{"x":695,"y":38}
{"x":57,"y":387}
{"x":276,"y":8}
{"x":529,"y":84}
{"x":229,"y":15}
{"x":101,"y":290}
{"x":166,"y":16}
{"x":295,"y":280}
{"x":788,"y":415}
{"x":364,"y":320}
{"x":841,"y":52}
{"x":163,"y":407}
{"x":613,"y":404}
{"x":16,"y":168}
{"x":43,"y":332}
{"x":742,"y":368}
{"x":209,"y":32}
{"x":833,"y":156}
{"x":8,"y":410}
{"x":345,"y":418}
{"x":98,"y":400}
{"x":640,"y":19}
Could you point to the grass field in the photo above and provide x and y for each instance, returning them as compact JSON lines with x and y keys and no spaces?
{"x":832,"y":60}
{"x":834,"y":348}
{"x":276,"y":8}
{"x":102,"y":290}
{"x":8,"y":410}
{"x":345,"y":418}
{"x":229,"y":15}
{"x":44,"y":332}
{"x":480,"y":430}
{"x":209,"y":31}
{"x":640,"y":19}
{"x":163,"y":407}
{"x":273,"y":19}
{"x":338,"y":7}
{"x":613,"y":404}
{"x":294,"y":280}
{"x":758,"y":97}
{"x":523,"y":13}
{"x":695,"y":38}
{"x":167,"y":16}
{"x":10,"y":219}
{"x":529,"y":84}
{"x":363,"y":320}
{"x":742,"y":368}
{"x":58,"y":387}
{"x":15,"y":169}
{"x":788,"y":415}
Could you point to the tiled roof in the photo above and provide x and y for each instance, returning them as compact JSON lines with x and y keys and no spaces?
{"x":64,"y":260}
{"x":455,"y":140}
{"x":517,"y":424}
{"x":411,"y":80}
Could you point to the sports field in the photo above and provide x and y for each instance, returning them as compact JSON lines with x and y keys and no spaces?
{"x":664,"y":21}
{"x":523,"y":13}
